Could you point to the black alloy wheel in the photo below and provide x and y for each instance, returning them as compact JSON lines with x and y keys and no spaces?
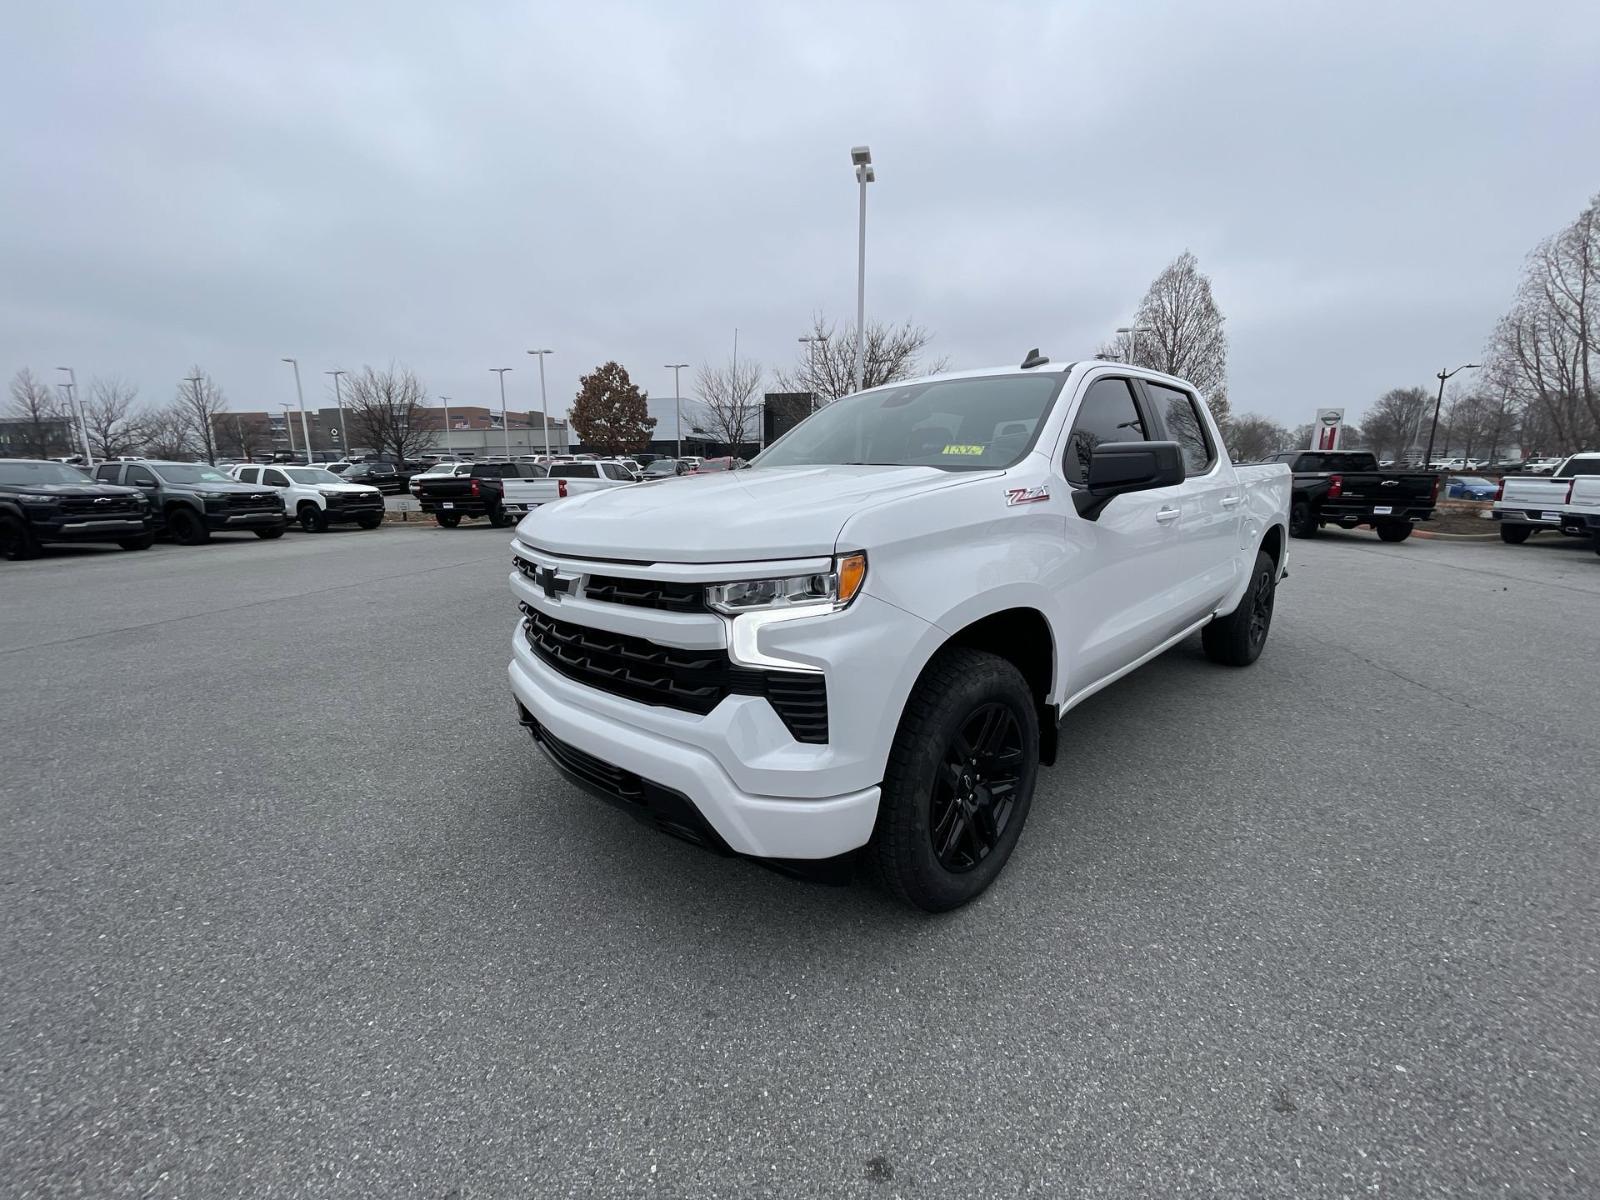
{"x":16,"y":540}
{"x":975,"y":789}
{"x":1262,"y":597}
{"x":187,"y":528}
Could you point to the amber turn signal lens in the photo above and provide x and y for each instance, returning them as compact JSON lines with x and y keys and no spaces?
{"x":852,"y":573}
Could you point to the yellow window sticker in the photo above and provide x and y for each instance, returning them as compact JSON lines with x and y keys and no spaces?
{"x":962,"y":450}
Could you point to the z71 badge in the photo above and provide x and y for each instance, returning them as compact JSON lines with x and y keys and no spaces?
{"x":1027,"y":495}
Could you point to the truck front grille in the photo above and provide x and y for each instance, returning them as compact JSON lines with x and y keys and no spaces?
{"x":101,"y":506}
{"x":647,"y":593}
{"x":254,"y":502}
{"x":693,"y":681}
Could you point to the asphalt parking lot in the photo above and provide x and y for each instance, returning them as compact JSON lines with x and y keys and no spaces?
{"x":293,"y":907}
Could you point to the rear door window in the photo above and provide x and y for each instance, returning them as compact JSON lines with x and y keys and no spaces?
{"x":107,"y":472}
{"x":1180,"y":415}
{"x":1109,"y":413}
{"x":250,"y":474}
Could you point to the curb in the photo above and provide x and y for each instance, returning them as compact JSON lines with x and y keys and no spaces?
{"x":1456,"y":537}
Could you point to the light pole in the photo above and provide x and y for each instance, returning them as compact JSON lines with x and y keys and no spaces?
{"x":544,"y":401}
{"x":338,"y":399}
{"x":445,"y":400}
{"x":861,"y":156}
{"x":288,"y":423}
{"x":677,"y":405}
{"x":1438,"y":404}
{"x":505,"y":425}
{"x":1133,"y":332}
{"x":305,"y":426}
{"x":75,"y":413}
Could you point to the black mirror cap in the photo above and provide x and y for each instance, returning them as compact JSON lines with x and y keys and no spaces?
{"x":1119,"y":467}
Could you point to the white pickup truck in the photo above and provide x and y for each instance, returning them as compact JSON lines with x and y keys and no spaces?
{"x":566,"y":479}
{"x":1568,"y":500}
{"x":870,"y":638}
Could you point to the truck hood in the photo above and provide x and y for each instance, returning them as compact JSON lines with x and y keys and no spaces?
{"x":733,"y":516}
{"x":70,"y":489}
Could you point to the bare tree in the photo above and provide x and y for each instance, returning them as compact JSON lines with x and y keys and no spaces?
{"x":728,"y":403}
{"x":385,"y":410}
{"x":827,"y":367}
{"x":1391,"y":423}
{"x":1251,"y":438}
{"x":199,"y":399}
{"x":43,"y":421}
{"x":1545,"y":353}
{"x":1181,"y":332}
{"x":115,"y":428}
{"x":169,"y":432}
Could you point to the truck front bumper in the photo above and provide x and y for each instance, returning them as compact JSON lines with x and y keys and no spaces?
{"x":220,"y":521}
{"x":593,"y":741}
{"x":89,"y":529}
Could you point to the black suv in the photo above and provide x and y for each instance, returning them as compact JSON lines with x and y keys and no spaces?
{"x":381,"y":475}
{"x":191,"y":501}
{"x":43,"y":502}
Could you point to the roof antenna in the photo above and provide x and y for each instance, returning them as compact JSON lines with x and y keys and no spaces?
{"x":1034,"y":359}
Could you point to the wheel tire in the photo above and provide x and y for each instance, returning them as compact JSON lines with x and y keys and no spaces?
{"x":1237,"y":639}
{"x":448,"y":520}
{"x":267,"y":535}
{"x":500,"y":518}
{"x":143,"y":542}
{"x":926,"y":789}
{"x":1515,"y":535}
{"x":17,"y":543}
{"x":312,"y":519}
{"x":369,"y":522}
{"x":1393,"y":531}
{"x":186,"y":528}
{"x":1302,"y":520}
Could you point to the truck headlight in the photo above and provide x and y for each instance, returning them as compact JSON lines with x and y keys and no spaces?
{"x":834,"y":589}
{"x":31,"y":498}
{"x":212,"y":495}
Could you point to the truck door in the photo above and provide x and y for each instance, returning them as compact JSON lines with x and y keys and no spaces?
{"x":1205,"y":546}
{"x":1116,"y":582}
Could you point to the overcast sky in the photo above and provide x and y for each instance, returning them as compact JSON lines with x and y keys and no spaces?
{"x":448,"y":186}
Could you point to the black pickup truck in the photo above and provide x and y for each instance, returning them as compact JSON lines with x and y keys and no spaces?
{"x":43,"y":502}
{"x":191,"y":501}
{"x":1347,"y":488}
{"x":471,"y":492}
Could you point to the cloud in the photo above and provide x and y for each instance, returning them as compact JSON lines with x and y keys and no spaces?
{"x":451,"y":188}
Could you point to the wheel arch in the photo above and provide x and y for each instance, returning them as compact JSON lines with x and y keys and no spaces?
{"x":1022,"y":636}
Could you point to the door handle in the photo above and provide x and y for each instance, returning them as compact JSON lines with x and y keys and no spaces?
{"x":1231,"y":501}
{"x":1167,"y":514}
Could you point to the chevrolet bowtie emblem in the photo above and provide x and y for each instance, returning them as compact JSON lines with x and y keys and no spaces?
{"x":553,"y":584}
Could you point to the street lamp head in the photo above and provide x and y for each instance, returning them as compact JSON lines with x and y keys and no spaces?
{"x":860,"y":155}
{"x":866,"y":174}
{"x":288,"y":360}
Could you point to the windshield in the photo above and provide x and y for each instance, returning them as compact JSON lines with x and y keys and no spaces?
{"x":953,"y":424}
{"x":23,"y":473}
{"x":312,"y":475}
{"x":1474,"y":481}
{"x":663,"y":466}
{"x":191,"y":473}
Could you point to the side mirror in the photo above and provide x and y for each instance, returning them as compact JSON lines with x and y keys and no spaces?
{"x":1119,"y":467}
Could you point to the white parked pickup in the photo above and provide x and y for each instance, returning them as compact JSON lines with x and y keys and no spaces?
{"x":566,"y":479}
{"x":315,"y":496}
{"x":1567,"y":501}
{"x":870,"y":637}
